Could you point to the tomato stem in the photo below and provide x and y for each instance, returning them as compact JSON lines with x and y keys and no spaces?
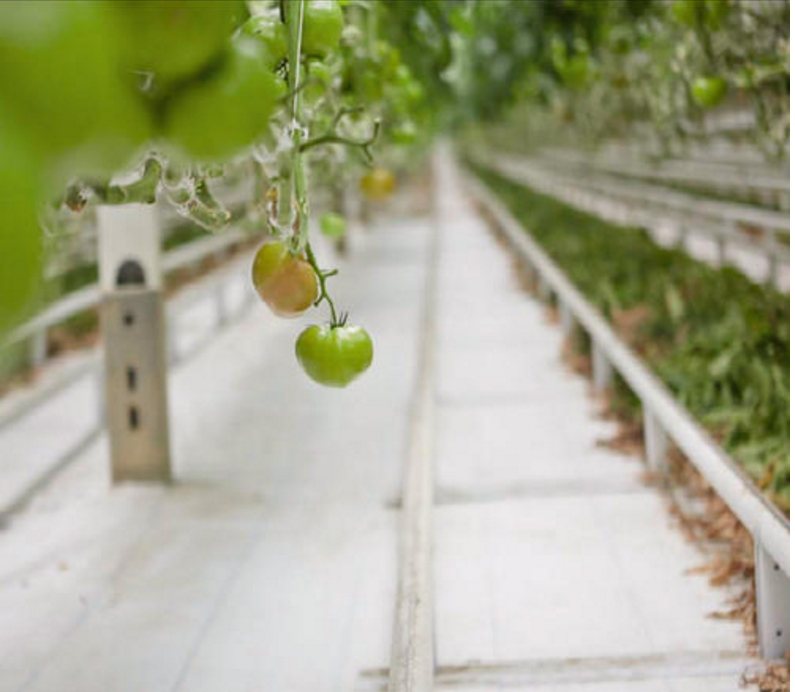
{"x":295,"y":184}
{"x":143,"y":190}
{"x":332,"y":137}
{"x":322,"y":276}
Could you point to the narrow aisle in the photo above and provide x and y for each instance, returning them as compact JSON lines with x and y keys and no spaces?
{"x":270,"y":564}
{"x":555,"y":568}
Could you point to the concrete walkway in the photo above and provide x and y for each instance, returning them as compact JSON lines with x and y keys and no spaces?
{"x":272,"y":563}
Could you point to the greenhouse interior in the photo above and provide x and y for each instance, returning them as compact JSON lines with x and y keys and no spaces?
{"x":394,"y":345}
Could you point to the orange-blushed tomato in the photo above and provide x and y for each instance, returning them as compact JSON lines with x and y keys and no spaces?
{"x":286,"y":283}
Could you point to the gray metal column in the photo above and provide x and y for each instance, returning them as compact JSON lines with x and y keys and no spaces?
{"x":602,"y":369}
{"x":772,"y":605}
{"x":655,"y":441}
{"x":566,"y":319}
{"x":133,"y":332}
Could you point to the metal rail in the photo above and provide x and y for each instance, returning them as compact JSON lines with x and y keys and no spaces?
{"x":650,"y":206}
{"x":89,"y":297}
{"x":631,"y":175}
{"x":664,"y":419}
{"x":213,"y":288}
{"x":412,"y":664}
{"x":743,"y":178}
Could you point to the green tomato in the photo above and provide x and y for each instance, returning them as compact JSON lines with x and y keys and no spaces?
{"x":708,"y":92}
{"x":334,"y":356}
{"x":323,"y":24}
{"x":20,"y":234}
{"x":60,"y":82}
{"x":320,"y":71}
{"x":333,"y":225}
{"x":404,"y":133}
{"x":174,"y":39}
{"x":318,"y":82}
{"x":286,"y":283}
{"x":216,"y":118}
{"x":272,"y":33}
{"x":389,"y":59}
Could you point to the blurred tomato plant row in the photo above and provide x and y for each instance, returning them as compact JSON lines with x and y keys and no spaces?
{"x":585,"y":70}
{"x":719,"y":341}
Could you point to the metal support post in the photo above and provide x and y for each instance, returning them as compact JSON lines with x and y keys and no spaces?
{"x":721,"y":247}
{"x":566,"y":319}
{"x":38,"y":349}
{"x":602,"y":369}
{"x":133,"y":331}
{"x":544,"y":289}
{"x":772,"y":605}
{"x":655,"y":441}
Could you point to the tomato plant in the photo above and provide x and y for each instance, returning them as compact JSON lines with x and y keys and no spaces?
{"x":334,"y":355}
{"x":306,"y":96}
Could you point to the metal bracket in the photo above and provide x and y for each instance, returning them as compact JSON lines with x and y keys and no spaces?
{"x":133,"y":333}
{"x":721,"y":251}
{"x":566,"y":320}
{"x":544,"y":289}
{"x":655,"y":441}
{"x":772,"y":605}
{"x":135,"y":385}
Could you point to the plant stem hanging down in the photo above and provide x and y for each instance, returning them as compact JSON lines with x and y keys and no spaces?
{"x":294,"y":183}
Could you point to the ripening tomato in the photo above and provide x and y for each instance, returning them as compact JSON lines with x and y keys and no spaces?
{"x":285,"y":282}
{"x":216,"y":118}
{"x":334,"y":356}
{"x":174,"y":39}
{"x":20,"y":234}
{"x":377,"y":184}
{"x":60,"y":81}
{"x":332,"y":225}
{"x":323,"y":24}
{"x":708,"y":92}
